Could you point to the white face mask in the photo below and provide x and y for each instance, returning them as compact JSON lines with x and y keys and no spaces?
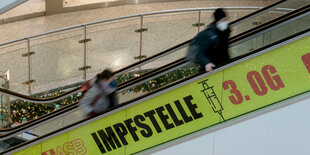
{"x":222,"y":25}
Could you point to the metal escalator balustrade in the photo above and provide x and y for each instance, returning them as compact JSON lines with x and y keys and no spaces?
{"x":269,"y":73}
{"x":37,"y":47}
{"x":106,"y":40}
{"x":253,"y":83}
{"x":38,"y":100}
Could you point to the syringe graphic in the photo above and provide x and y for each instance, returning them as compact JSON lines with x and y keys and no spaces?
{"x":212,"y":98}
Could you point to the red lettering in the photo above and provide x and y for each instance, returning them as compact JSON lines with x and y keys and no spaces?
{"x":267,"y":70}
{"x":60,"y":151}
{"x":233,"y":90}
{"x":306,"y":60}
{"x":69,"y":149}
{"x":254,"y":77}
{"x":257,"y":83}
{"x":49,"y":152}
{"x":75,"y":147}
{"x":79,"y":147}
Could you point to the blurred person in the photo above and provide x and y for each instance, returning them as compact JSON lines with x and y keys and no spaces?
{"x":99,"y":94}
{"x":209,"y":47}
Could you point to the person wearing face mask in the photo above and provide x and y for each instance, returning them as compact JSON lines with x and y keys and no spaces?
{"x":101,"y":94}
{"x":209,"y":48}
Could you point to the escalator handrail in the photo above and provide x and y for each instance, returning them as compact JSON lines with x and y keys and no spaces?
{"x":125,"y":17}
{"x":121,"y":86}
{"x":258,"y":11}
{"x":65,"y":109}
{"x":142,"y":78}
{"x":243,"y":37}
{"x":76,"y":90}
{"x":113,"y":110}
{"x":271,"y":23}
{"x":72,"y":106}
{"x":127,"y":68}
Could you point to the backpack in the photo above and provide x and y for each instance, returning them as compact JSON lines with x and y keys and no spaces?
{"x":192,"y":53}
{"x":85,"y":87}
{"x":195,"y":45}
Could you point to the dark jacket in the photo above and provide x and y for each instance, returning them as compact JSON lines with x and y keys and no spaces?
{"x":211,"y":45}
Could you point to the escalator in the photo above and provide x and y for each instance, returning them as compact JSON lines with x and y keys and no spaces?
{"x":192,"y":104}
{"x":237,"y":26}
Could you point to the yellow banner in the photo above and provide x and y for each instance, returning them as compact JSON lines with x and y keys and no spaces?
{"x":235,"y":91}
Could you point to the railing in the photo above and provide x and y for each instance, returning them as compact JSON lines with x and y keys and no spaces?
{"x":144,"y":80}
{"x":285,"y":20}
{"x":74,"y":54}
{"x":83,"y":122}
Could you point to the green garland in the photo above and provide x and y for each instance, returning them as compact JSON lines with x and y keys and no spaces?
{"x":22,"y":111}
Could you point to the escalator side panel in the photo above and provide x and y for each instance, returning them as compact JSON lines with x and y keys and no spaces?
{"x":251,"y":84}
